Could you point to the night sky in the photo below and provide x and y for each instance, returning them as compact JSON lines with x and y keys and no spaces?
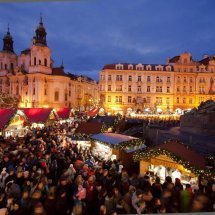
{"x":88,"y":34}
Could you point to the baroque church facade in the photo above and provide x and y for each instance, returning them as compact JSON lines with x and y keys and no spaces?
{"x":32,"y":77}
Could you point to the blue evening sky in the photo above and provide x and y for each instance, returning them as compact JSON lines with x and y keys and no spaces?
{"x":88,"y":34}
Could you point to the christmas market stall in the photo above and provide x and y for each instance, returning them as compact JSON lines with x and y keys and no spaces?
{"x":39,"y":117}
{"x":83,"y":132}
{"x":12,"y":122}
{"x":116,"y":146}
{"x":172,"y":158}
{"x":65,"y":115}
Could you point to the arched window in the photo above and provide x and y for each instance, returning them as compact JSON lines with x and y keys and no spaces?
{"x":39,"y":62}
{"x":5,"y":66}
{"x":35,"y":60}
{"x":17,"y":90}
{"x":45,"y":62}
{"x":11,"y":66}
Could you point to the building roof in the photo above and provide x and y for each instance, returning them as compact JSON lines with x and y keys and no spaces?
{"x":125,"y":66}
{"x":26,"y":51}
{"x":37,"y":115}
{"x":6,"y":115}
{"x":180,"y":150}
{"x":63,"y":113}
{"x":89,"y":128}
{"x":58,"y":71}
{"x":174,"y":59}
{"x":206,"y":60}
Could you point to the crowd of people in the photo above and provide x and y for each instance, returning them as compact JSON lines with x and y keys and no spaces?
{"x":45,"y":173}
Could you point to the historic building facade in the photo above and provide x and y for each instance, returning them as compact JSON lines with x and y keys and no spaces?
{"x":32,"y":77}
{"x":180,"y":84}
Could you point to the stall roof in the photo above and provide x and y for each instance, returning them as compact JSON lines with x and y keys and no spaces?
{"x":63,"y":113}
{"x":5,"y":116}
{"x":112,"y":138}
{"x":180,"y":150}
{"x":89,"y":128}
{"x":93,"y":112}
{"x":37,"y":115}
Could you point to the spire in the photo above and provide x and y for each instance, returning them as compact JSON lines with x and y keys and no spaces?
{"x":62,"y":64}
{"x":40,"y":38}
{"x":8,"y":41}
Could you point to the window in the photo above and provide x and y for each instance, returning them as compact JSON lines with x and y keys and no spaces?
{"x":1,"y":65}
{"x":167,"y":100}
{"x":69,"y":93}
{"x":118,"y":67}
{"x":158,"y":89}
{"x":35,"y":60}
{"x":139,"y":89}
{"x":185,"y":79}
{"x":184,"y":89}
{"x":11,"y":66}
{"x":191,"y":89}
{"x":109,"y":87}
{"x":148,"y":78}
{"x":159,"y":100}
{"x":109,"y":77}
{"x":184,"y":100}
{"x":178,"y":79}
{"x":157,"y":79}
{"x":178,"y":100}
{"x":130,"y":67}
{"x":148,"y":99}
{"x":119,"y":77}
{"x":56,"y":96}
{"x":5,"y":66}
{"x":191,"y":80}
{"x":190,"y":101}
{"x":168,"y":79}
{"x":45,"y":92}
{"x":129,"y":88}
{"x":139,"y":78}
{"x":129,"y":99}
{"x":34,"y":91}
{"x":168,"y":89}
{"x":119,"y":88}
{"x":17,"y":90}
{"x":129,"y":78}
{"x":118,"y":99}
{"x":45,"y":62}
{"x":39,"y":62}
{"x":109,"y":98}
{"x":148,"y":89}
{"x":66,"y":96}
{"x":191,"y":70}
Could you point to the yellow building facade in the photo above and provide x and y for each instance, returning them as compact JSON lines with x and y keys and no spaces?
{"x":32,"y":77}
{"x":180,"y":84}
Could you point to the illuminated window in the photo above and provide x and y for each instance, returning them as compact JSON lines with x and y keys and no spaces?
{"x":119,"y":88}
{"x":129,"y":78}
{"x":129,"y":88}
{"x":119,"y":77}
{"x":109,"y":87}
{"x":109,"y":98}
{"x":129,"y":99}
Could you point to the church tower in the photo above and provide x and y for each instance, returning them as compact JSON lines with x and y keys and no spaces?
{"x":8,"y":42}
{"x":40,"y":52}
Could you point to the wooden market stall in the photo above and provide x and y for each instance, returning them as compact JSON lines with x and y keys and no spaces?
{"x":12,"y":122}
{"x":171,"y":158}
{"x":116,"y":146}
{"x":64,"y":114}
{"x":39,"y":117}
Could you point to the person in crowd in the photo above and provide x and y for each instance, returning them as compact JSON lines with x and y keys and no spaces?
{"x":46,"y":173}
